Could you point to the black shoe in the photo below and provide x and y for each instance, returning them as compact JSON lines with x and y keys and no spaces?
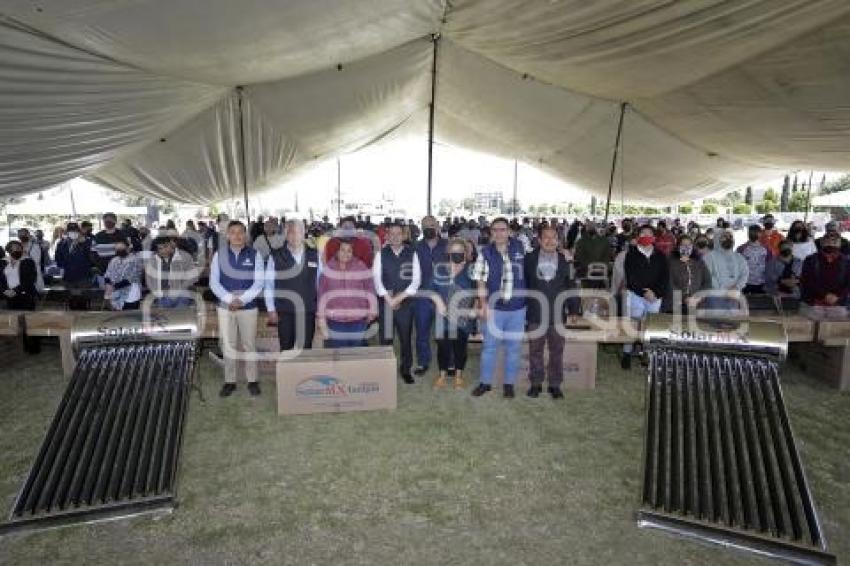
{"x":254,"y":389}
{"x":508,"y":391}
{"x":480,"y":390}
{"x":227,"y":390}
{"x":420,"y":371}
{"x":534,"y":391}
{"x":556,"y":393}
{"x":626,"y":361}
{"x":407,"y":378}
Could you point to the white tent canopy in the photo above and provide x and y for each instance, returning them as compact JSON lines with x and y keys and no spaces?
{"x":140,"y":95}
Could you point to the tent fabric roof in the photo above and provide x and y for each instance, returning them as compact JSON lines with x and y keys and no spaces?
{"x":140,"y":95}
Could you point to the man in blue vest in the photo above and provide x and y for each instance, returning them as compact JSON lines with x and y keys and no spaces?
{"x":501,"y":295}
{"x":431,"y":251}
{"x":396,"y":273}
{"x":237,"y":277}
{"x":293,"y":269}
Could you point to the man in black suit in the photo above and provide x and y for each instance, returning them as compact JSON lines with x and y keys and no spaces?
{"x":548,"y":272}
{"x":18,"y":276}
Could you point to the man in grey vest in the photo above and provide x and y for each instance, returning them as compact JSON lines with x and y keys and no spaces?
{"x":397,"y":275}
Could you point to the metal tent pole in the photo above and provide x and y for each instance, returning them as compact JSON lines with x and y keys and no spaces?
{"x":242,"y":156}
{"x":514,"y":207}
{"x":431,"y":110}
{"x":614,"y":159}
{"x":338,"y":190}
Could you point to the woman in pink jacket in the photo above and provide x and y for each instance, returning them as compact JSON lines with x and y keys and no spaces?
{"x":347,"y":299}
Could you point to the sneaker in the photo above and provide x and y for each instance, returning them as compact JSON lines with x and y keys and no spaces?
{"x":534,"y":391}
{"x":556,"y":393}
{"x":480,"y":390}
{"x":626,"y":361}
{"x":420,"y":371}
{"x":508,"y":391}
{"x":254,"y":388}
{"x":407,"y":378}
{"x":227,"y":390}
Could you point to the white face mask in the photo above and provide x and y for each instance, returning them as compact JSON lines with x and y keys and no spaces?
{"x":73,"y":235}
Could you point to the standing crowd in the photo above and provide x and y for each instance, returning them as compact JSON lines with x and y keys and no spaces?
{"x":503,"y":279}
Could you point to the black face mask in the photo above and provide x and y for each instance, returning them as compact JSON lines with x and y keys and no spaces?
{"x":121,"y":253}
{"x":429,"y":233}
{"x":726,"y":244}
{"x":17,"y":254}
{"x":457,"y":257}
{"x":768,"y":225}
{"x":109,"y":224}
{"x":24,"y":238}
{"x":786,"y":253}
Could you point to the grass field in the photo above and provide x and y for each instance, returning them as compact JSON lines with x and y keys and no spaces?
{"x":445,"y":479}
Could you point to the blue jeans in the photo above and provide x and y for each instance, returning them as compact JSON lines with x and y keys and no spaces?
{"x":346,"y":334}
{"x":503,"y":329}
{"x":638,"y":307}
{"x":423,"y":316}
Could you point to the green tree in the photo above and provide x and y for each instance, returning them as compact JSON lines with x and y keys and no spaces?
{"x":798,"y":202}
{"x":742,"y":208}
{"x":786,"y":194}
{"x":766,"y":206}
{"x":840,"y":184}
{"x":708,"y":208}
{"x":770,"y":194}
{"x":686,"y":208}
{"x":593,"y":205}
{"x":748,"y":196}
{"x":731,"y":199}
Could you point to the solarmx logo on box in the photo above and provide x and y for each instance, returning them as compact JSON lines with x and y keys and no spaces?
{"x":327,"y":386}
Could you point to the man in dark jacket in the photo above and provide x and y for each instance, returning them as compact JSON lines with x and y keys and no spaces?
{"x":431,"y":251}
{"x":75,"y":257}
{"x":293,"y":269}
{"x":825,"y":281}
{"x":647,"y":281}
{"x":549,"y":273}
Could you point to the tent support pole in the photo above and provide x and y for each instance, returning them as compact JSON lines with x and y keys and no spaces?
{"x":338,"y":191}
{"x":614,"y":160}
{"x":515,"y":204}
{"x":435,"y":39}
{"x":242,"y":156}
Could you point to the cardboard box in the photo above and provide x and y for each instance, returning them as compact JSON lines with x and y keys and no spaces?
{"x":579,"y":366}
{"x":337,"y":380}
{"x":830,"y":364}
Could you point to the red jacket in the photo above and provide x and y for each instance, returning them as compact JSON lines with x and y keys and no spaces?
{"x":665,"y":243}
{"x":347,"y":295}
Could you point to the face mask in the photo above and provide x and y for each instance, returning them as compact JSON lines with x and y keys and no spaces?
{"x":457,"y":257}
{"x":754,"y":236}
{"x":17,"y":254}
{"x":702,"y":245}
{"x":786,"y":253}
{"x":109,"y":224}
{"x":646,"y":241}
{"x":768,"y":225}
{"x":429,"y":233}
{"x":686,"y":251}
{"x":24,"y":238}
{"x":73,"y":235}
{"x":726,"y":244}
{"x":121,"y":253}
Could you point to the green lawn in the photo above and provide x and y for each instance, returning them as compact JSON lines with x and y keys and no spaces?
{"x":445,"y":479}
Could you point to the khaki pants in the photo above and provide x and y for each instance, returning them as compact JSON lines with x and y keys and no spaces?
{"x":235,"y":328}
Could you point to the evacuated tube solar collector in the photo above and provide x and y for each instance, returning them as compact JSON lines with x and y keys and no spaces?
{"x":720,"y":463}
{"x":113,"y":446}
